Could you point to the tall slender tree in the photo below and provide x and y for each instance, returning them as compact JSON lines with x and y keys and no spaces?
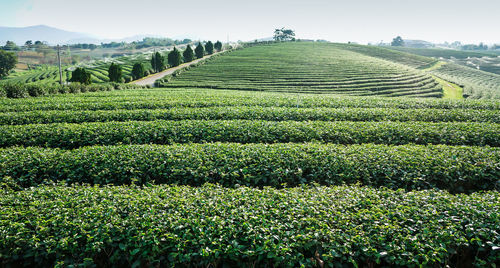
{"x":115,"y":73}
{"x":138,"y":71}
{"x":174,"y":57}
{"x":199,"y":51}
{"x":188,"y":54}
{"x":209,"y":47}
{"x":158,"y":62}
{"x":218,"y":46}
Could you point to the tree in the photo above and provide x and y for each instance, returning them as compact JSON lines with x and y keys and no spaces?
{"x":188,"y":54}
{"x":81,"y":75}
{"x":199,"y":51}
{"x":8,"y":61}
{"x":218,"y":46}
{"x":174,"y":57}
{"x":209,"y":47}
{"x":284,"y":34}
{"x":158,"y":62}
{"x":28,"y":44}
{"x":397,"y":42}
{"x":9,"y":45}
{"x":138,"y":71}
{"x":115,"y":73}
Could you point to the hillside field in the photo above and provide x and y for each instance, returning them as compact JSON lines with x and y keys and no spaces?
{"x":275,"y":155}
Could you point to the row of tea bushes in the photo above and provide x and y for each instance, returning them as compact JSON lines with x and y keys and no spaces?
{"x":212,"y":226}
{"x":64,"y":135}
{"x":456,"y":169}
{"x":252,"y":113}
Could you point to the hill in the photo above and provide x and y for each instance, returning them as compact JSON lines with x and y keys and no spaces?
{"x":40,"y":32}
{"x":315,"y":68}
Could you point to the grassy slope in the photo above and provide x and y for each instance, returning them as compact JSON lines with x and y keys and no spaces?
{"x":314,"y":68}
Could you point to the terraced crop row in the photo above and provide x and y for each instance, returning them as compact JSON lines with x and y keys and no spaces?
{"x":456,"y":169}
{"x":477,"y":84}
{"x":248,"y":131}
{"x":302,"y":67}
{"x":165,"y":99}
{"x":251,"y":113}
{"x":245,"y":227}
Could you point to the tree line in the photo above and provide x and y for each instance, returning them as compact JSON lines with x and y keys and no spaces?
{"x":158,"y":63}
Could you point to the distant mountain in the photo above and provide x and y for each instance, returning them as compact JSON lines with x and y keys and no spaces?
{"x":40,"y":32}
{"x":418,"y":43}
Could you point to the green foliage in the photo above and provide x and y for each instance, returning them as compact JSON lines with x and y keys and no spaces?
{"x":249,"y":113}
{"x":158,"y":62}
{"x":161,"y":99}
{"x":249,"y":131}
{"x":10,"y":46}
{"x":218,"y":46}
{"x":456,"y":169}
{"x":199,"y":51}
{"x":284,"y":34}
{"x":244,"y":227}
{"x":174,"y":58}
{"x":138,"y":71}
{"x":331,"y":68}
{"x":188,"y":54}
{"x":8,"y":61}
{"x":398,"y":42}
{"x":82,"y":76}
{"x":209,"y":48}
{"x":115,"y":73}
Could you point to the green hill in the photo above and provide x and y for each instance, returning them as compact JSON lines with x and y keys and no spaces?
{"x":315,"y":68}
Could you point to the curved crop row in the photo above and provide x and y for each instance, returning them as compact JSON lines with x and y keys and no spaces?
{"x":456,"y":169}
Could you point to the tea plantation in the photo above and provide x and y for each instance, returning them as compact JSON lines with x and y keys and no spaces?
{"x":269,"y":156}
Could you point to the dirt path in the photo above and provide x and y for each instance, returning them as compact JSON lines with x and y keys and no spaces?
{"x":150,"y":80}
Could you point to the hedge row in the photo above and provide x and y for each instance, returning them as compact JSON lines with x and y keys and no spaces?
{"x":253,"y":113}
{"x":211,"y":226}
{"x":21,"y":90}
{"x":164,"y":99}
{"x":247,"y":131}
{"x":456,"y":169}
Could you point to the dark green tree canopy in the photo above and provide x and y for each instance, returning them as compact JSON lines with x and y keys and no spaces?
{"x":115,"y":73}
{"x":11,"y":46}
{"x":199,"y":51}
{"x":138,"y":71}
{"x":174,"y":57}
{"x":284,"y":34}
{"x":8,"y":61}
{"x":158,"y":62}
{"x":81,"y":75}
{"x":218,"y":46}
{"x":188,"y":54}
{"x":397,"y":42}
{"x":209,"y":47}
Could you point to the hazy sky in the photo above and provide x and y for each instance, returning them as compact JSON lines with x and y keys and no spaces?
{"x":335,"y":20}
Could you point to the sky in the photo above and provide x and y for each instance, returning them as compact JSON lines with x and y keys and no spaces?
{"x":362,"y":21}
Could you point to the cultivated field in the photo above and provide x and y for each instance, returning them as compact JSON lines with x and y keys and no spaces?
{"x":239,"y":162}
{"x":309,"y":68}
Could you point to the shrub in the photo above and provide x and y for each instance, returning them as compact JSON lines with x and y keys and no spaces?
{"x":245,"y":227}
{"x":456,"y":169}
{"x":82,"y":76}
{"x":15,"y":90}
